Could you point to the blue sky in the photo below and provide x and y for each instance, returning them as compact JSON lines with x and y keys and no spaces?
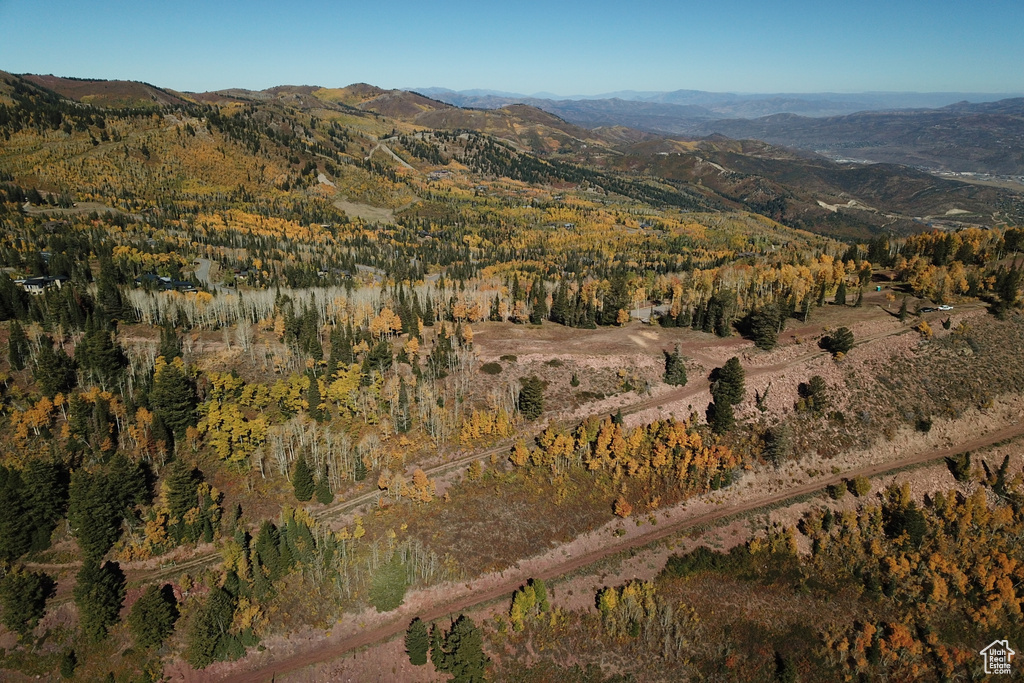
{"x":567,"y":48}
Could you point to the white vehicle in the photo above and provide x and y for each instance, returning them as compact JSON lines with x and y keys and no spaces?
{"x":944,"y":307}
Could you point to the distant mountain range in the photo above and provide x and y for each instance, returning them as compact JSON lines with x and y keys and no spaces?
{"x":716,"y":105}
{"x":933,"y":131}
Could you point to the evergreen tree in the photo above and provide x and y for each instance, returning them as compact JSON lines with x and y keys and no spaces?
{"x":54,"y":371}
{"x":778,"y":444}
{"x":615,"y":299}
{"x":17,"y":346}
{"x":675,"y":368}
{"x":267,"y":550}
{"x":323,"y":492}
{"x":388,"y":585}
{"x":840,"y":341}
{"x":173,"y":396}
{"x":840,"y":299}
{"x":15,"y":525}
{"x":170,"y":342}
{"x":102,"y":359}
{"x":209,"y":629}
{"x":764,"y":324}
{"x":23,"y":596}
{"x":540,"y":305}
{"x":99,"y":593}
{"x":403,"y":420}
{"x":437,"y":653}
{"x":720,"y":416}
{"x":313,"y":400}
{"x":727,"y":390}
{"x":14,"y":301}
{"x":531,"y":398}
{"x":440,"y":356}
{"x":180,"y":484}
{"x":95,"y":511}
{"x":465,"y":653}
{"x":68,"y":663}
{"x":302,"y":480}
{"x":45,"y":498}
{"x":417,"y":641}
{"x":729,"y":383}
{"x":494,"y":315}
{"x":903,"y":310}
{"x":153,"y":615}
{"x":108,"y":296}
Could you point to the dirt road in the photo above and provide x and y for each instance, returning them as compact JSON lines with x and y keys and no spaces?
{"x":471,"y":599}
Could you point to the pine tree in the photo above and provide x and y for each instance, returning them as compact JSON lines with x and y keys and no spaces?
{"x":494,"y":315}
{"x":108,"y":296}
{"x":302,"y":480}
{"x":180,"y":496}
{"x":388,"y":585}
{"x":170,"y":343}
{"x":23,"y":595}
{"x":466,"y":659}
{"x":531,"y":398}
{"x":727,"y":390}
{"x":15,"y":525}
{"x":417,"y":641}
{"x":903,"y":310}
{"x":153,"y":615}
{"x":45,"y":497}
{"x":840,"y":341}
{"x":100,"y":356}
{"x":99,"y":593}
{"x":173,"y":396}
{"x":68,"y":663}
{"x":764,"y":327}
{"x":540,"y":306}
{"x":675,"y":368}
{"x":95,"y":512}
{"x":840,"y":299}
{"x":323,"y":492}
{"x":267,"y":551}
{"x":313,"y":400}
{"x":209,"y":629}
{"x":17,"y":346}
{"x":729,"y":386}
{"x":54,"y":371}
{"x":438,"y":656}
{"x":402,"y":418}
{"x":720,"y":416}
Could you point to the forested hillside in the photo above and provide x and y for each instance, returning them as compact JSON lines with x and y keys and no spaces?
{"x":249,"y":381}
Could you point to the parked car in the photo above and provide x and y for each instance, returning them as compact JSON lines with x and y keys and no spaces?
{"x":945,"y":307}
{"x":927,"y":309}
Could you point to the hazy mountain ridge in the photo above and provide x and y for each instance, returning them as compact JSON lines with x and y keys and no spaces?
{"x":979,"y":137}
{"x":726,"y":104}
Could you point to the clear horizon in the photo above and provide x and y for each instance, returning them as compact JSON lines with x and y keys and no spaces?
{"x":574,"y":48}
